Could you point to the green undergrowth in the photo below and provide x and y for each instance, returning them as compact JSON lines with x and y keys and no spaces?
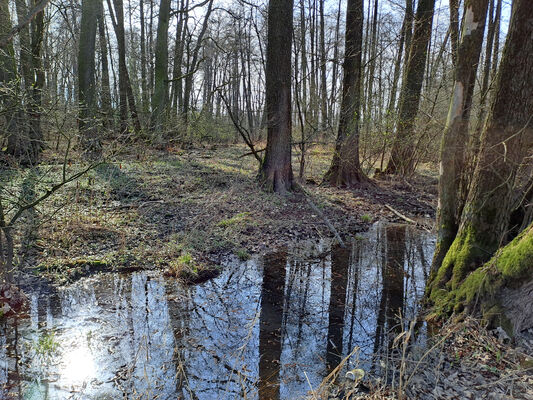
{"x":190,"y":270}
{"x":68,"y":270}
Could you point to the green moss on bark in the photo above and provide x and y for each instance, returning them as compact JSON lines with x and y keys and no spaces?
{"x":511,"y":267}
{"x":460,"y":259}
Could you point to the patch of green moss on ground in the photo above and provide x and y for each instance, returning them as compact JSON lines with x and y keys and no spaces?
{"x":68,"y":270}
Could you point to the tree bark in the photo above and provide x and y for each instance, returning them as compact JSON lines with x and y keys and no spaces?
{"x":454,"y":30}
{"x":122,"y":68}
{"x":106,"y":87}
{"x":87,"y":122}
{"x":500,"y":291}
{"x":345,"y":167}
{"x":323,"y":66}
{"x":455,"y":136}
{"x":276,"y":170}
{"x":160,"y":96}
{"x":401,"y":160}
{"x":507,"y":136}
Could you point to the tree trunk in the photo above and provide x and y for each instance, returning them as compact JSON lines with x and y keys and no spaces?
{"x":144,"y":86}
{"x":37,"y":37}
{"x":391,"y":115}
{"x":276,"y":169}
{"x":507,"y":136}
{"x":494,"y":17}
{"x":88,"y":127}
{"x":334,"y":74}
{"x":189,"y":79}
{"x":454,"y":30}
{"x":160,"y":97}
{"x":401,"y":160}
{"x":501,"y":291}
{"x":8,"y":73}
{"x":455,"y":136}
{"x":106,"y":87}
{"x":178,"y":58}
{"x":323,"y":79}
{"x":122,"y":68}
{"x":345,"y":167}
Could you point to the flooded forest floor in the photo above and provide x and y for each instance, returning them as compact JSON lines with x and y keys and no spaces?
{"x":148,"y":216}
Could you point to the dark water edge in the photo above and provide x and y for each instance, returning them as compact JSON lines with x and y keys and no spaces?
{"x":267,"y":328}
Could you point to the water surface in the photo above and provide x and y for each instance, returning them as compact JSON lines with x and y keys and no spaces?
{"x":267,"y":328}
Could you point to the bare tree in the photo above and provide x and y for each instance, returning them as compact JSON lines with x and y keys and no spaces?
{"x":401,"y":160}
{"x":276,"y":169}
{"x":345,"y":167}
{"x":506,"y":138}
{"x":455,"y":136}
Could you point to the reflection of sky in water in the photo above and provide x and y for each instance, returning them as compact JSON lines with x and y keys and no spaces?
{"x":149,"y":337}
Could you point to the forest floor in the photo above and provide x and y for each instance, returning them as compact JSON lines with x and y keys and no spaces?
{"x":183,"y":210}
{"x":462,"y":361}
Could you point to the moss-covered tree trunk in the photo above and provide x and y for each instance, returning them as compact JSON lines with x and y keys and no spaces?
{"x":501,"y":290}
{"x":507,"y":136}
{"x":345,"y":167}
{"x":455,"y":136}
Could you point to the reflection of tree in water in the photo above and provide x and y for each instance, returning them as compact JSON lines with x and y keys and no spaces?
{"x":204,"y":342}
{"x":153,"y":339}
{"x":392,"y":293}
{"x":340,"y":263}
{"x":272,"y":294}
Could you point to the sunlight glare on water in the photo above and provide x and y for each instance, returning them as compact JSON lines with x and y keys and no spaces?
{"x":78,"y":366}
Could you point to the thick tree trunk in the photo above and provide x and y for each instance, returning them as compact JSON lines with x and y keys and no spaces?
{"x":276,"y":170}
{"x":455,"y":136}
{"x":87,"y":123}
{"x":501,"y":291}
{"x":160,"y":97}
{"x":345,"y":167}
{"x":7,"y":79}
{"x":507,"y":136}
{"x":401,"y":160}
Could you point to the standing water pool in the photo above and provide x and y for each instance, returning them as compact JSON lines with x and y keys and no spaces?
{"x":268,"y":328}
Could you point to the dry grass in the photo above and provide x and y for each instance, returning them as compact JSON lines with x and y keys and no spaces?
{"x":148,"y":208}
